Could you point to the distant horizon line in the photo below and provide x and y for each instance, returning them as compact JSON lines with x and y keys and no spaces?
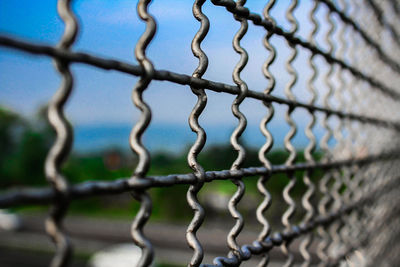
{"x":171,"y":137}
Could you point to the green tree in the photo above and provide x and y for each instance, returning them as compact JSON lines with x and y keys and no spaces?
{"x":23,"y":148}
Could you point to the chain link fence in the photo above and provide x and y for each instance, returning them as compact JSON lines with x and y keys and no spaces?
{"x":350,"y":214}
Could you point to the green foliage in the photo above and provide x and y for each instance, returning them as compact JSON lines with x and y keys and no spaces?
{"x":24,"y":148}
{"x":9,"y":122}
{"x":23,"y":151}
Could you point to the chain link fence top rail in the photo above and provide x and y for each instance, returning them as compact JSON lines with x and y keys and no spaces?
{"x":352,"y":210}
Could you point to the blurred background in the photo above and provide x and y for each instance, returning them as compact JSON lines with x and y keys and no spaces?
{"x":101,"y":111}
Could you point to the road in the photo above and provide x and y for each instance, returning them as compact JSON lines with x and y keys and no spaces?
{"x":29,"y":246}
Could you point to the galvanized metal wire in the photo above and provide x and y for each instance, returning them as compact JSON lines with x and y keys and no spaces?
{"x":308,"y":152}
{"x":344,"y":213}
{"x":266,"y":203}
{"x":137,"y":132}
{"x":62,"y":145}
{"x":236,"y":134}
{"x":194,"y":203}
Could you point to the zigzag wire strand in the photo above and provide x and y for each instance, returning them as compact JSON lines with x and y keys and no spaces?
{"x":288,"y":214}
{"x":372,"y":176}
{"x":136,"y":134}
{"x":62,"y":145}
{"x":351,"y":193}
{"x":350,"y":171}
{"x":276,"y":239}
{"x":381,"y":55}
{"x":335,"y":239}
{"x":201,"y":137}
{"x":309,"y":194}
{"x":323,"y":184}
{"x":330,"y":59}
{"x":383,"y":23}
{"x":269,"y":138}
{"x":164,"y":75}
{"x":322,"y":210}
{"x":340,"y":176}
{"x":237,"y":196}
{"x":337,"y":151}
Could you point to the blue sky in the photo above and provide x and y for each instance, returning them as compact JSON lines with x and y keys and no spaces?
{"x":111,"y":29}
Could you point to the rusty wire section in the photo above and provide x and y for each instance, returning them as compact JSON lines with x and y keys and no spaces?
{"x":348,"y":216}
